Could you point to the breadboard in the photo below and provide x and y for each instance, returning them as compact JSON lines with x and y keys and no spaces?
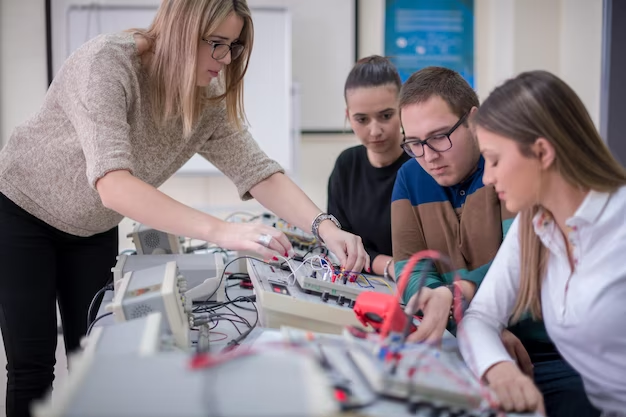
{"x":348,"y":290}
{"x":312,"y":278}
{"x":423,"y":371}
{"x":442,"y":384}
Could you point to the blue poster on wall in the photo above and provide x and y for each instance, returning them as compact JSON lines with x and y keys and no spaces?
{"x":421,"y":33}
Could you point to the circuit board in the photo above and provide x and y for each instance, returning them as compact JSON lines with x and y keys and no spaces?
{"x":431,"y":380}
{"x":311,"y":303}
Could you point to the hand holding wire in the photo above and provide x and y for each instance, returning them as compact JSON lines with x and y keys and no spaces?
{"x":435,"y":304}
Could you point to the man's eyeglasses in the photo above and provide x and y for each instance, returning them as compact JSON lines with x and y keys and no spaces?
{"x":439,"y":143}
{"x":220,"y":50}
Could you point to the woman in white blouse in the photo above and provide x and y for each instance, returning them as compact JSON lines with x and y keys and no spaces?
{"x":563,"y":258}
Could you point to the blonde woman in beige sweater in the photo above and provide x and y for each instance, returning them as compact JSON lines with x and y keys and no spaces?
{"x":125,"y":112}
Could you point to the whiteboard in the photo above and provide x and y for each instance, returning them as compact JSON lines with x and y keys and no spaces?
{"x":267,"y":84}
{"x":324,"y":51}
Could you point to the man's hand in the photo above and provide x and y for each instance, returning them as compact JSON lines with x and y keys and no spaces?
{"x":435,"y":304}
{"x":518,"y":352}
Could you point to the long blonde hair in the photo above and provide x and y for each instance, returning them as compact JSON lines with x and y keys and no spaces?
{"x":174,"y":37}
{"x":538,"y":104}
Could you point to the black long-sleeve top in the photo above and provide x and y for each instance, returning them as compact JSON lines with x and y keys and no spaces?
{"x":359,"y":196}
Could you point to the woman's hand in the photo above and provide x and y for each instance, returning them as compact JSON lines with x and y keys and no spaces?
{"x":515,"y":391}
{"x":346,"y":246}
{"x":250,"y":237}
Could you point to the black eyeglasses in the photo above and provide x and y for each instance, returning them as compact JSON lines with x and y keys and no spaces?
{"x":220,"y":50}
{"x":438,"y":143}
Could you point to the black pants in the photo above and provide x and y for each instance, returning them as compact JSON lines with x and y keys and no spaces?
{"x":562,"y":389}
{"x":40,"y":265}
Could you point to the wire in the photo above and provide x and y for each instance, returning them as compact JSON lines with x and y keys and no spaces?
{"x":225,"y":336}
{"x":232,"y":318}
{"x":242,"y":319}
{"x":96,"y":320}
{"x":323,"y":248}
{"x":382,"y":281}
{"x":457,"y":309}
{"x":102,"y":290}
{"x":214,"y":305}
{"x":233,"y":323}
{"x":241,"y":213}
{"x":219,"y":284}
{"x":201,"y":246}
{"x":366,"y":280}
{"x":241,"y":337}
{"x":236,"y":276}
{"x":310,"y":260}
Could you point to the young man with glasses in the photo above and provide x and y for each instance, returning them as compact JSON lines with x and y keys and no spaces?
{"x":439,"y":202}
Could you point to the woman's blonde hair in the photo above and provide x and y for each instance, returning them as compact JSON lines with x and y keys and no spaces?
{"x":534,"y":105}
{"x":174,"y":37}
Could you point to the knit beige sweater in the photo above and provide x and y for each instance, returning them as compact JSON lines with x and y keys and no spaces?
{"x":96,"y":118}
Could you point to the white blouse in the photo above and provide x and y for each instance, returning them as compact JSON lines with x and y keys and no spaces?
{"x":584,"y":311}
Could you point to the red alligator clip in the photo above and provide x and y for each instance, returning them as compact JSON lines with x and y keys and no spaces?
{"x":382,"y":312}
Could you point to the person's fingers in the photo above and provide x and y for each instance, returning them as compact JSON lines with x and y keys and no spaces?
{"x":415,"y":337}
{"x":279,"y":241}
{"x":439,"y":320}
{"x":265,"y":253}
{"x":426,"y":329}
{"x":352,"y":252}
{"x":412,"y":305}
{"x":532,"y":397}
{"x":339,"y":250}
{"x":523,"y":359}
{"x":541,"y":408}
{"x":435,"y":336}
{"x":504,"y":396}
{"x":518,"y":395}
{"x":362,"y":258}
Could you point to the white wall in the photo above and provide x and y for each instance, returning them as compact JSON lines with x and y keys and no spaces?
{"x":23,"y":70}
{"x":563,"y":36}
{"x":511,"y":36}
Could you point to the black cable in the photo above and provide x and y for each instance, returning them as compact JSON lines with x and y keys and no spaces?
{"x":235,"y":314}
{"x":239,"y":275}
{"x":231,"y":322}
{"x":224,"y":272}
{"x":212,"y":310}
{"x":96,"y":320}
{"x":240,"y":319}
{"x":323,"y":248}
{"x":233,"y":302}
{"x":102,"y":290}
{"x":214,"y":305}
{"x":237,"y":340}
{"x":191,"y":249}
{"x":236,"y":318}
